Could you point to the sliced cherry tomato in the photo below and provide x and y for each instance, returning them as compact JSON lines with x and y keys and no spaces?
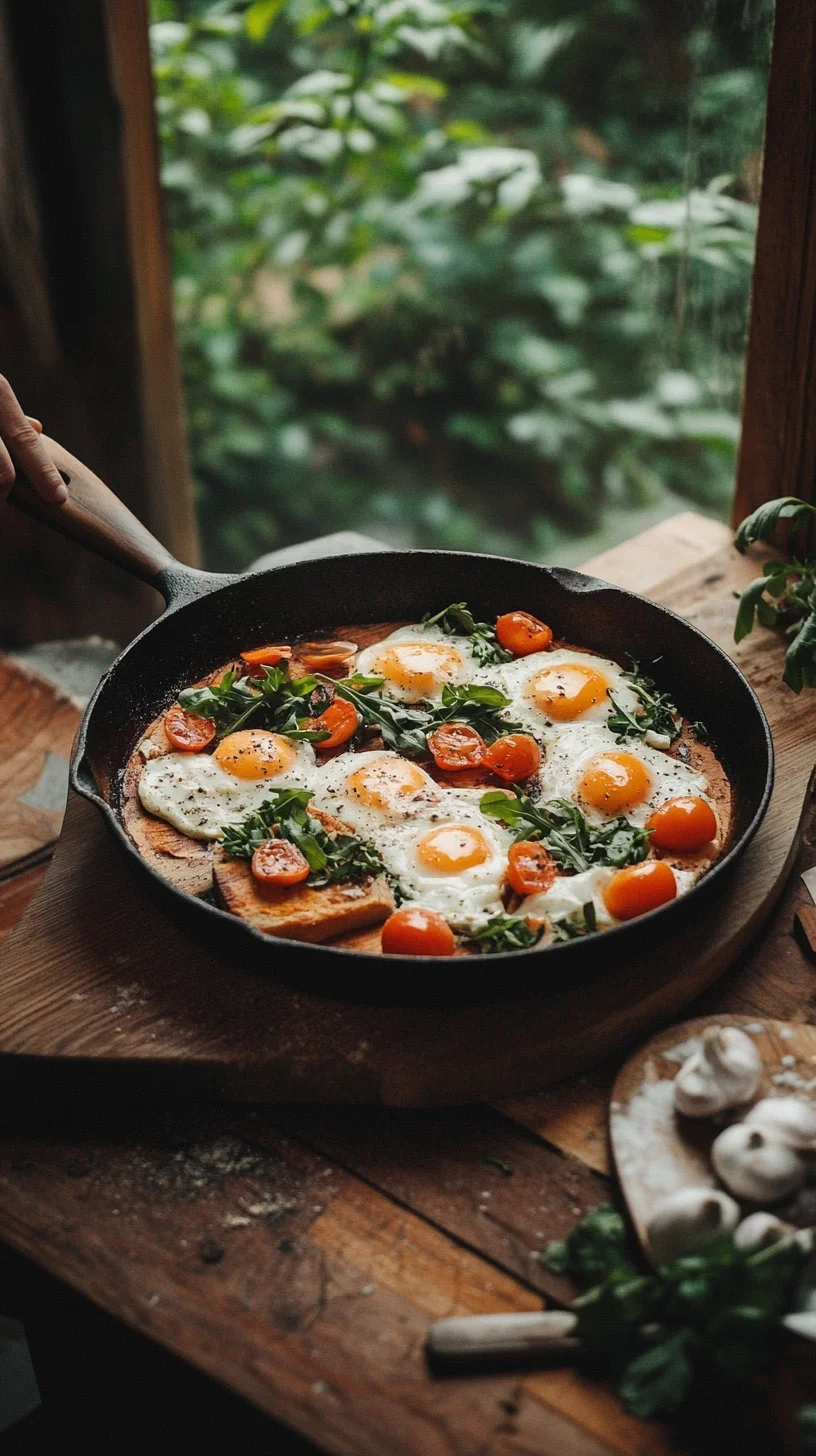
{"x":340,"y":720}
{"x":530,"y":867}
{"x":187,"y":731}
{"x":457,"y":745}
{"x":683,"y":824}
{"x":640,"y":888}
{"x":321,"y":655}
{"x":260,"y":657}
{"x":414,"y":931}
{"x":514,"y":757}
{"x":277,"y":862}
{"x":521,"y":634}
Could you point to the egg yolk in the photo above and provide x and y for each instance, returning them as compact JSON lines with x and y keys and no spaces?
{"x":568,"y":689}
{"x":615,"y":782}
{"x":387,"y":783}
{"x":453,"y":848}
{"x":255,"y":754}
{"x":419,"y":667}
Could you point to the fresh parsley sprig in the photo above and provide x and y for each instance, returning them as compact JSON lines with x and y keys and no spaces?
{"x":281,"y":702}
{"x":655,"y":713}
{"x":458,"y":621}
{"x":573,"y":842}
{"x":784,"y":596}
{"x":501,"y":933}
{"x":712,"y":1315}
{"x":331,"y":858}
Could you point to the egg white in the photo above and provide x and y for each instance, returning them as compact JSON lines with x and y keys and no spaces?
{"x":567,"y":757}
{"x":515,"y":680}
{"x":570,"y":893}
{"x":367,"y":661}
{"x":334,"y":794}
{"x":198,"y":797}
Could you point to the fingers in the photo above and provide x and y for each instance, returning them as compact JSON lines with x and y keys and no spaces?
{"x":20,"y":441}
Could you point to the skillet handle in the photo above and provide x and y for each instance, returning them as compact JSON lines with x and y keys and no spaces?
{"x":96,"y":518}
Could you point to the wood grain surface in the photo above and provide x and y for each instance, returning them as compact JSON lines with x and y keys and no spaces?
{"x":37,"y":727}
{"x":298,"y":1253}
{"x":88,"y":990}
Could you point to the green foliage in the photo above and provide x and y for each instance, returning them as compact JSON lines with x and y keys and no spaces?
{"x":503,"y":933}
{"x":332,"y":858}
{"x":711,"y":1318}
{"x":573,"y":842}
{"x":272,"y":700}
{"x":459,"y":273}
{"x":785,"y":595}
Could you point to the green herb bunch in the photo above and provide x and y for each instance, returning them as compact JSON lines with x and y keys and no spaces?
{"x":458,"y":621}
{"x":573,"y":842}
{"x":575,"y":926}
{"x":405,"y":727}
{"x":274,"y":700}
{"x":710,"y":1317}
{"x":502,"y":933}
{"x":655,"y":713}
{"x":331,"y":858}
{"x":784,"y":596}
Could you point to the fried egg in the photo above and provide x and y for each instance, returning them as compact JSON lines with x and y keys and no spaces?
{"x":201,"y":793}
{"x":417,"y":662}
{"x":606,"y":779}
{"x":446,"y":855}
{"x":550,"y":692}
{"x":570,"y":893}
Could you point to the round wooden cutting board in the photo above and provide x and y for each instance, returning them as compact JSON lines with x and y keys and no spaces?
{"x":97,"y":979}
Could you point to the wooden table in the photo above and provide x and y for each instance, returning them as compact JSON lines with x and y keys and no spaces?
{"x":294,"y":1256}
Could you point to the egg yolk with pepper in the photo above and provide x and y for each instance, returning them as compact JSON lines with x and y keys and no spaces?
{"x":388,"y":784}
{"x":567,"y":690}
{"x":254,"y":754}
{"x":453,"y":848}
{"x":615,"y":782}
{"x":419,"y":668}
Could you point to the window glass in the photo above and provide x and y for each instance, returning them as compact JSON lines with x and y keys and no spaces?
{"x":469,"y":275}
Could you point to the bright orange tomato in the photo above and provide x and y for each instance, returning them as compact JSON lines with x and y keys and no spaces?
{"x":522,"y":634}
{"x":339,"y":720}
{"x":530,"y":867}
{"x":187,"y":731}
{"x":683,"y":824}
{"x":257,"y":658}
{"x":515,"y":756}
{"x":418,"y":932}
{"x":640,"y":888}
{"x":457,"y":745}
{"x":277,"y":862}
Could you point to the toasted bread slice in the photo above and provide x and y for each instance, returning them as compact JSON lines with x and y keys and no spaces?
{"x":298,"y":912}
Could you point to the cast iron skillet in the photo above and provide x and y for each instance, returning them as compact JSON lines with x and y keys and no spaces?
{"x":209,"y":618}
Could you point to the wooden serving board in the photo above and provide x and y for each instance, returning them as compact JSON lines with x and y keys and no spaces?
{"x":96,"y":978}
{"x":655,"y":1152}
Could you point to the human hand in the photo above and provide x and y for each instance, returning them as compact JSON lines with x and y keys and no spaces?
{"x":20,"y":441}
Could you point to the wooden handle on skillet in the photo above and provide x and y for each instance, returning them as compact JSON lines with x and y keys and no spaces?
{"x":95,"y":517}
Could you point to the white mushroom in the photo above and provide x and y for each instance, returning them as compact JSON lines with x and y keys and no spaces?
{"x":724,"y":1072}
{"x":687,"y":1219}
{"x":788,"y":1119}
{"x":759,"y":1230}
{"x":756,"y":1166}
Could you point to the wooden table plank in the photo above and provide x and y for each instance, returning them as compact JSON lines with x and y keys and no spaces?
{"x":343,"y":1233}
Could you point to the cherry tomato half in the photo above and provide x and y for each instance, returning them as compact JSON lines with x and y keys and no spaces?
{"x":522,"y":634}
{"x":260,"y":657}
{"x":339,"y":720}
{"x":683,"y":824}
{"x":640,"y":888}
{"x":457,"y":745}
{"x":414,"y":931}
{"x":187,"y":731}
{"x":530,"y":867}
{"x":277,"y":862}
{"x":515,"y":756}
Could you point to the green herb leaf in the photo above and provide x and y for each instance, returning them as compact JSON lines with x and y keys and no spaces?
{"x":457,"y":620}
{"x":800,"y":658}
{"x":402,"y":727}
{"x":502,"y":933}
{"x":658,"y":1381}
{"x":573,"y":842}
{"x":762,"y":522}
{"x":573,"y":927}
{"x":597,"y":1245}
{"x":274,"y":701}
{"x":332,"y":858}
{"x":748,"y":604}
{"x":480,"y":707}
{"x":655,"y":713}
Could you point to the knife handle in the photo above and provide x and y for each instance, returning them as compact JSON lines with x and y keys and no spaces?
{"x":483,"y":1339}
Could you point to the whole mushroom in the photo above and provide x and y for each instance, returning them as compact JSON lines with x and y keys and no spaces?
{"x":686,"y":1220}
{"x":791,"y":1120}
{"x":724,"y":1072}
{"x":755,"y":1165}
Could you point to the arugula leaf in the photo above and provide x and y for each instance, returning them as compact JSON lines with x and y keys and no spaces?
{"x":762,"y":522}
{"x":656,"y":713}
{"x":403,"y":728}
{"x":331,"y":858}
{"x":480,"y":707}
{"x":233,"y":700}
{"x":458,"y":621}
{"x":503,"y":932}
{"x":579,"y":923}
{"x":573,"y":842}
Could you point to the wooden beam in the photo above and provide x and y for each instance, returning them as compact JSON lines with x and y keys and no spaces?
{"x":778,"y":450}
{"x":169,"y":484}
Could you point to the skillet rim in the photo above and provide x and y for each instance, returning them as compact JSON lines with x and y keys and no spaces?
{"x":183,"y":586}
